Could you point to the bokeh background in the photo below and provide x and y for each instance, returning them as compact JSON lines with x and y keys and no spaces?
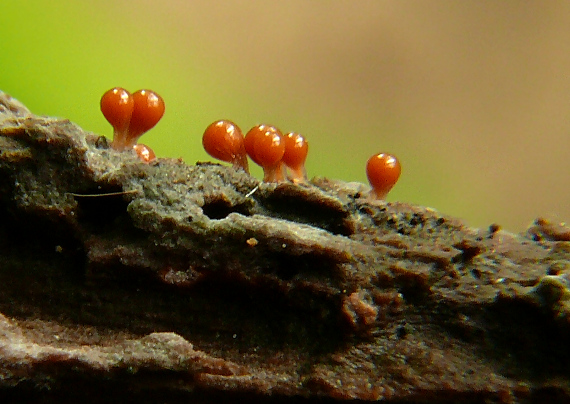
{"x":474,"y":97}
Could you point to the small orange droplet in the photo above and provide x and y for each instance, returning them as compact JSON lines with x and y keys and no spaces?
{"x":145,"y":153}
{"x":252,"y":242}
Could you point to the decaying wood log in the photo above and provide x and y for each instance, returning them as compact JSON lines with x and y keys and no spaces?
{"x":169,"y":282}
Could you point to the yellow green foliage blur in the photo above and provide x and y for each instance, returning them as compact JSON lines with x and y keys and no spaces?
{"x":473,"y":97}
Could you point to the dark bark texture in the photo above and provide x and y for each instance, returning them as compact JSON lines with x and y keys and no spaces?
{"x":122,"y":281}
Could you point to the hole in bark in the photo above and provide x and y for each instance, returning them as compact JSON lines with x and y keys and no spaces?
{"x":468,"y":249}
{"x":102,"y":209}
{"x":312,"y":213}
{"x":220,"y":208}
{"x":306,"y":266}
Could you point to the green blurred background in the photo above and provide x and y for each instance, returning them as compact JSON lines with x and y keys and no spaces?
{"x":473,"y":97}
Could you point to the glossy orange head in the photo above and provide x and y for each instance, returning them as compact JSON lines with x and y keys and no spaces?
{"x":148,"y":110}
{"x":132,"y":115}
{"x":296,"y":150}
{"x":224,"y":141}
{"x":117,"y":106}
{"x":265,"y":145}
{"x":383,"y":171}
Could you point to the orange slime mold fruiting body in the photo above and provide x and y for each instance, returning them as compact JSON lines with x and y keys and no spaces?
{"x":296,"y":150}
{"x":383,"y":171}
{"x":131,"y":115}
{"x":250,"y":140}
{"x":224,"y":141}
{"x":265,"y":145}
{"x":148,"y":110}
{"x":117,"y":106}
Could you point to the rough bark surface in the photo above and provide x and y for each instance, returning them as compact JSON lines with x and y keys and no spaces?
{"x":170,"y":282}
